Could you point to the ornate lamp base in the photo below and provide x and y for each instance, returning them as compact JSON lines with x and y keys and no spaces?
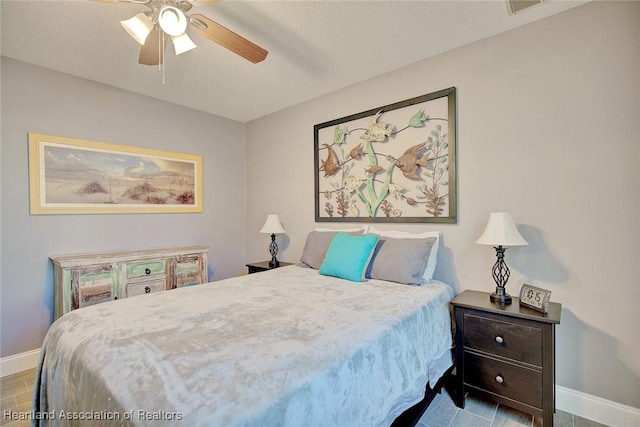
{"x":273,"y":250}
{"x":500,"y":296}
{"x":500,"y":273}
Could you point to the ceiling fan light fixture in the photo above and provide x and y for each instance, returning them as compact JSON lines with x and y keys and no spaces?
{"x":138,"y":27}
{"x":172,"y":20}
{"x":182,"y":43}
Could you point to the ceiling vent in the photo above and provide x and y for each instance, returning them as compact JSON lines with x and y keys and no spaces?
{"x":516,"y":6}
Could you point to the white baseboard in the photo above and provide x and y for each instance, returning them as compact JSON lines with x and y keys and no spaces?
{"x":19,"y":362}
{"x":575,"y":402}
{"x":596,"y":409}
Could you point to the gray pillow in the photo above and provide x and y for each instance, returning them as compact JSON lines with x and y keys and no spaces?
{"x":400,"y":260}
{"x":315,"y":248}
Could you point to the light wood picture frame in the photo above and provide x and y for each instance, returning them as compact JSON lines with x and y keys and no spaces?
{"x":74,"y":176}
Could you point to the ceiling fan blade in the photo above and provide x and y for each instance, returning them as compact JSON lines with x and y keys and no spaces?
{"x":227,"y":38}
{"x":151,"y":53}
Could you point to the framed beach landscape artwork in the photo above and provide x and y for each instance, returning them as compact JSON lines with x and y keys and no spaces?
{"x":73,"y":176}
{"x":395,"y":163}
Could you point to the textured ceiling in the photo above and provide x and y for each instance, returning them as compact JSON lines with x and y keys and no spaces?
{"x":315,"y":47}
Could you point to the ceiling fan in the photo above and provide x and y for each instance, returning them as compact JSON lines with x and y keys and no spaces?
{"x":168,"y":19}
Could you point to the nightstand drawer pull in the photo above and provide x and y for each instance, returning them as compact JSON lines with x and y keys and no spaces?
{"x":499,"y":379}
{"x":147,"y":270}
{"x":147,"y":289}
{"x":499,"y":339}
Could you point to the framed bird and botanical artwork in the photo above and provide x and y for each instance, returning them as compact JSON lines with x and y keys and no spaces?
{"x":395,"y":163}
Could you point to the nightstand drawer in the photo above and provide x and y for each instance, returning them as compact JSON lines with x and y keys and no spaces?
{"x":505,"y":379}
{"x":507,"y":339}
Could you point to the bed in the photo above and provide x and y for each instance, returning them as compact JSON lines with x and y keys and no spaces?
{"x":287,"y":347}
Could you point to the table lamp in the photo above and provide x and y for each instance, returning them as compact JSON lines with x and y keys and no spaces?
{"x":500,"y":233}
{"x":273,"y":226}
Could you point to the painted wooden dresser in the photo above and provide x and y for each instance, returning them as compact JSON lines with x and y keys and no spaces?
{"x":91,"y":278}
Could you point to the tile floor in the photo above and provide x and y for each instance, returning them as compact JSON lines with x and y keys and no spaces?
{"x":16,"y":391}
{"x":442,"y":412}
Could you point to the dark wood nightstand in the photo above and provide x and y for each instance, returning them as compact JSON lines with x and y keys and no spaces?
{"x":256,"y":267}
{"x":506,"y":353}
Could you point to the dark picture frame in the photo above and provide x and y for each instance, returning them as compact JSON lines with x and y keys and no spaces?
{"x":395,"y":163}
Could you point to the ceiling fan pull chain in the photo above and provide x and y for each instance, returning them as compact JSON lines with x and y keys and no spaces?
{"x":160,"y":58}
{"x":162,"y":64}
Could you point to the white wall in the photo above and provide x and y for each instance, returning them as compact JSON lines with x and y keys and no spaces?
{"x":38,"y":100}
{"x":549,"y":130}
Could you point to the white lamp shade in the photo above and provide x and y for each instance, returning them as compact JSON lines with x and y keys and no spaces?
{"x":138,"y":27}
{"x":182,"y":43}
{"x":172,"y":20}
{"x":501,"y":231}
{"x":272,"y":225}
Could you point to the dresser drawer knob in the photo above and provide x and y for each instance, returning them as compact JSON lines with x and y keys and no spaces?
{"x":499,"y":339}
{"x":499,"y":379}
{"x":147,"y":289}
{"x":147,"y":270}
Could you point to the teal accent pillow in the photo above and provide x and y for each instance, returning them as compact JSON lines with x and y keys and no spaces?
{"x":315,"y":248}
{"x":348,"y":256}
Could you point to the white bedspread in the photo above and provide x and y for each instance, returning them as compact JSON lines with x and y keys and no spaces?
{"x":286,"y":347}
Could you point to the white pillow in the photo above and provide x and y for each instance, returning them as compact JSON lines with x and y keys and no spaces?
{"x":362,"y":228}
{"x":433,"y":255}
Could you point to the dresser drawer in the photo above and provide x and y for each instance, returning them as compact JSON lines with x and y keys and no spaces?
{"x":505,"y":379}
{"x":91,"y":285}
{"x":507,"y":339}
{"x":146,"y":268}
{"x":146,"y":287}
{"x":188,"y":270}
